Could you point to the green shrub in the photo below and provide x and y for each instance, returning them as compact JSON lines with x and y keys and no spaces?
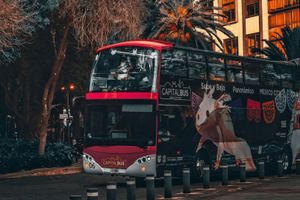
{"x":23,"y":155}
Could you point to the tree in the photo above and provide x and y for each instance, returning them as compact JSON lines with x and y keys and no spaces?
{"x":189,"y":22}
{"x":17,"y":25}
{"x":92,"y":23}
{"x":282,"y":47}
{"x":21,"y":82}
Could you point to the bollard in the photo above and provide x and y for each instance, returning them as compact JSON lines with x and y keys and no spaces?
{"x":242,"y":172}
{"x":298,"y":166}
{"x":111,"y":191}
{"x":92,"y":194}
{"x":168,"y":183}
{"x":206,"y":177}
{"x":279,"y":168}
{"x":261,"y":170}
{"x":75,"y":197}
{"x":224,"y":174}
{"x":150,"y":187}
{"x":131,"y":189}
{"x":186,"y":179}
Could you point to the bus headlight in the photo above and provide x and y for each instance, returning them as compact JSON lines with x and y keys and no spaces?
{"x":143,"y":168}
{"x":88,"y":162}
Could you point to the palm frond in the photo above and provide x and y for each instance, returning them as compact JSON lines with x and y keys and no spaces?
{"x":287,"y":48}
{"x":182,"y":20}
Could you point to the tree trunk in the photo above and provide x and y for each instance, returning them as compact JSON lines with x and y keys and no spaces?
{"x":50,"y":89}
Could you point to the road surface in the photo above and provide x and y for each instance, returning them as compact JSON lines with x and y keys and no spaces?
{"x":61,"y":187}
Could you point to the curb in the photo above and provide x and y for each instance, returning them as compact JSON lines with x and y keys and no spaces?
{"x":77,"y":168}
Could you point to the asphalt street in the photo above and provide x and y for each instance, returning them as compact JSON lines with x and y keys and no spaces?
{"x":61,"y":187}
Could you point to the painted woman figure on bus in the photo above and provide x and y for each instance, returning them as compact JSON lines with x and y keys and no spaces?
{"x":213,"y":122}
{"x":294,"y":136}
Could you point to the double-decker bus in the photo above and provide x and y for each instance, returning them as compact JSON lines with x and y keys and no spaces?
{"x":153,"y":106}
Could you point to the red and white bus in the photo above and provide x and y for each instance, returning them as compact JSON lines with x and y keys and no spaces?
{"x":153,"y":106}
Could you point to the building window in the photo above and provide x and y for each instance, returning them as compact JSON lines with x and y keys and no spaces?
{"x":231,"y":46}
{"x":275,"y":5}
{"x":228,"y":7}
{"x":253,"y":41}
{"x":279,"y":20}
{"x":252,"y":8}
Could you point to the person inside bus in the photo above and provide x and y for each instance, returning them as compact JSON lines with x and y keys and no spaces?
{"x":123,"y":71}
{"x":140,"y":71}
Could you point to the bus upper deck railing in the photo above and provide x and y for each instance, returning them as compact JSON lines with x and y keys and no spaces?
{"x":213,"y":66}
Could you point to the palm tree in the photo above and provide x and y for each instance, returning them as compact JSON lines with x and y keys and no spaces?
{"x":189,"y":22}
{"x":288,"y":47}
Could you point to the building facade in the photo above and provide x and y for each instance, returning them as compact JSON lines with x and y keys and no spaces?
{"x":252,"y":21}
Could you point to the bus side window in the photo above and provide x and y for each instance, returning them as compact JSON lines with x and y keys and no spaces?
{"x":251,"y":73}
{"x":286,"y":77}
{"x":270,"y":75}
{"x":179,"y":63}
{"x":170,"y":121}
{"x":216,"y":69}
{"x":234,"y":71}
{"x":174,"y":63}
{"x":196,"y":65}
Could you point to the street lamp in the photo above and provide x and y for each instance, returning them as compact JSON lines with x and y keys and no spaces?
{"x":68,"y":89}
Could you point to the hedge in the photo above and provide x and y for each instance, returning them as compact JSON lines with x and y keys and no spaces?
{"x":23,"y":155}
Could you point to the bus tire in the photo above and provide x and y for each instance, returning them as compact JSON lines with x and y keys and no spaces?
{"x":286,"y":157}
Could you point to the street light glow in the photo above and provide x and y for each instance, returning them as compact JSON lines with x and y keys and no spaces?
{"x":72,"y":86}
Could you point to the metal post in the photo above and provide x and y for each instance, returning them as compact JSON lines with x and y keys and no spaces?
{"x":131,"y":186}
{"x":68,"y":113}
{"x":186,"y":179}
{"x":279,"y":168}
{"x":298,"y":166}
{"x":150,"y":187}
{"x":111,"y":191}
{"x":261,"y":170}
{"x":224,"y":174}
{"x":206,"y":177}
{"x":92,"y":194}
{"x":75,"y":197}
{"x":168,"y":183}
{"x":242,"y":172}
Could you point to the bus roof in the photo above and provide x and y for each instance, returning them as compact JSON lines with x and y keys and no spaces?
{"x":155,"y":44}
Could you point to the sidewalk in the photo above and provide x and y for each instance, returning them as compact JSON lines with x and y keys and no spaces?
{"x":75,"y":168}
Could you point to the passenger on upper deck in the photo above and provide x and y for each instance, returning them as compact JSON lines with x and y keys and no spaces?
{"x":124,"y":69}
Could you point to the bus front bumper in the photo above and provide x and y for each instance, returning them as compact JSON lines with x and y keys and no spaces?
{"x":139,"y":168}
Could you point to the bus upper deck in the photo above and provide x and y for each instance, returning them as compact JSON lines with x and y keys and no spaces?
{"x":136,"y":66}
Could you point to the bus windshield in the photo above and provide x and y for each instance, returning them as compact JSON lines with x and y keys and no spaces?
{"x":125,"y":69}
{"x":121,"y":124}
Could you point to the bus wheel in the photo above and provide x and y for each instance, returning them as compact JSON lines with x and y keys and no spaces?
{"x":286,"y":158}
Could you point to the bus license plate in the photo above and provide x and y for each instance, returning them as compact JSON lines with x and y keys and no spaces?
{"x":114,"y":171}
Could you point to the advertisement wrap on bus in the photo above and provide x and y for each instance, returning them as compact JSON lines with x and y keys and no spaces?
{"x":152,"y":106}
